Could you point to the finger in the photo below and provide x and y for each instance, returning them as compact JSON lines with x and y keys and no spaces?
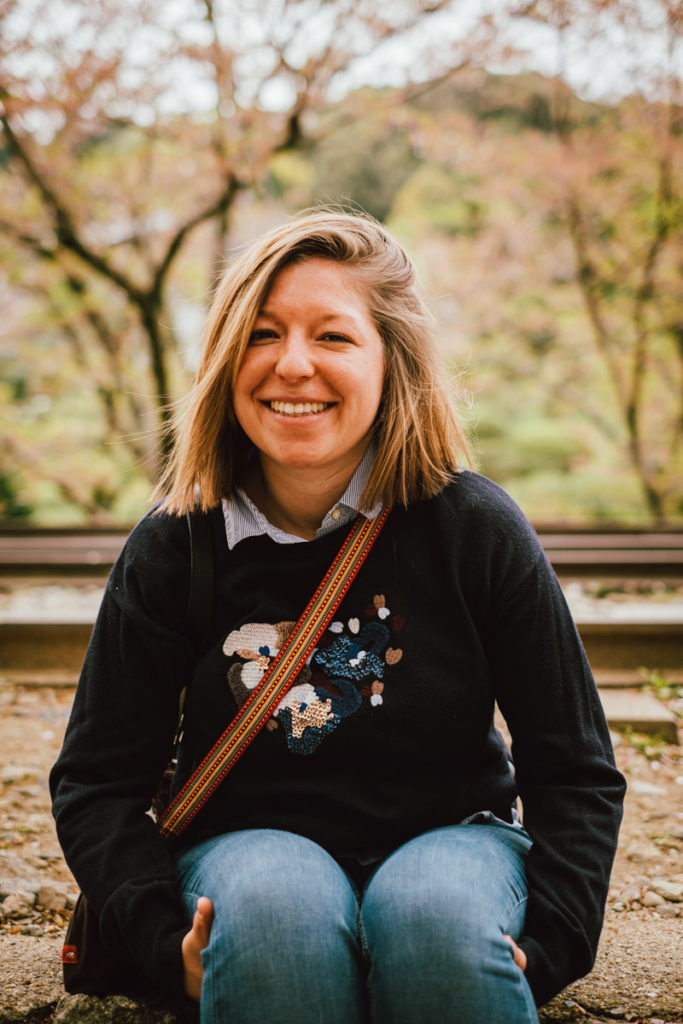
{"x":519,"y":954}
{"x":203,"y":919}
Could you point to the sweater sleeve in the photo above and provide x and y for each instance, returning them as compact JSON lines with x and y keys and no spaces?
{"x":571,"y":792}
{"x":117,"y":744}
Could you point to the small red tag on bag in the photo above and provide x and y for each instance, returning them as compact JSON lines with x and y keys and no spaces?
{"x":69,"y":954}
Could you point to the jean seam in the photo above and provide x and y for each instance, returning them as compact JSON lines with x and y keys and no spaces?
{"x":524,"y":900}
{"x":214,"y":1008}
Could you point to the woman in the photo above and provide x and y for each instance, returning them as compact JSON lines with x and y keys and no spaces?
{"x":364,"y":860}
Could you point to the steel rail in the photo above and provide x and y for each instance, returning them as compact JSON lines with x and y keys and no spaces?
{"x":621,"y":554}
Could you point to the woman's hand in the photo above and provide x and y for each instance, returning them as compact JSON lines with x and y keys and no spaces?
{"x":194,"y":942}
{"x":520,"y":955}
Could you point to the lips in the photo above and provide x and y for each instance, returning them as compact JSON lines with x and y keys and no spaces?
{"x":297,"y":408}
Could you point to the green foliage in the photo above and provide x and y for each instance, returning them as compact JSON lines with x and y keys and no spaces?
{"x":436,"y":199}
{"x":524,"y":446}
{"x":664,"y":688}
{"x":290,"y":176}
{"x":365,"y":163}
{"x":12,"y":506}
{"x":589,"y":493}
{"x":57,"y":467}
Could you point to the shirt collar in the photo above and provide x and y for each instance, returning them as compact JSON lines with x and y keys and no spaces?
{"x":243,"y":519}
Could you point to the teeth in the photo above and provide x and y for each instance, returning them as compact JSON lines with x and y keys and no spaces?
{"x":298,"y":408}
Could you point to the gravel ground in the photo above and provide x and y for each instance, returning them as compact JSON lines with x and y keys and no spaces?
{"x":638,"y":977}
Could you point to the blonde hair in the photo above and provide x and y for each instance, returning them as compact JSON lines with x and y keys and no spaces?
{"x":417,"y":433}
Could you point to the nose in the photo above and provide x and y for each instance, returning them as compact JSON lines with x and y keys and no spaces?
{"x":294,"y":359}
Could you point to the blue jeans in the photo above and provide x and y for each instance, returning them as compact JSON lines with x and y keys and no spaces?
{"x":297,"y":940}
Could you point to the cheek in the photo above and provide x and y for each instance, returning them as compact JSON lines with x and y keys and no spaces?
{"x":244,"y":413}
{"x":237,"y":399}
{"x":374,"y":381}
{"x":245,"y":382}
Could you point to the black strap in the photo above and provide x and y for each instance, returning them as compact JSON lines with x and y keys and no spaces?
{"x":200,"y":599}
{"x":201,"y":576}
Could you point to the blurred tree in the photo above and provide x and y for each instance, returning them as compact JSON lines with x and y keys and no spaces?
{"x":366,"y":161}
{"x":567,"y":199}
{"x":621,"y":176}
{"x":135,"y":136}
{"x":125,"y":135}
{"x":438,"y":197}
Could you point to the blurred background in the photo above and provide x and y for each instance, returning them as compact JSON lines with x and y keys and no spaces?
{"x":528,"y":155}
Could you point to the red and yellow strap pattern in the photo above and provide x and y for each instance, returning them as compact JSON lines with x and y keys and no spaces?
{"x":258,"y":708}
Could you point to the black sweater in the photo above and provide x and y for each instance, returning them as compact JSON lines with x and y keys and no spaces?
{"x":390,"y":732}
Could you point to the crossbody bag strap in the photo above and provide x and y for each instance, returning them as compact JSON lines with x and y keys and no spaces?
{"x":258,"y":708}
{"x":200,"y":600}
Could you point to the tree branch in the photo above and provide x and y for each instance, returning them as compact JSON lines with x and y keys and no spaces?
{"x":217,"y":208}
{"x":63,"y":224}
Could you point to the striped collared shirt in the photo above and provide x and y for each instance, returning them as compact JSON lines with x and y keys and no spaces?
{"x":243,"y":519}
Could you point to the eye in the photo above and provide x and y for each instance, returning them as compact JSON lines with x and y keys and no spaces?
{"x":333,"y":336}
{"x":261,"y":335}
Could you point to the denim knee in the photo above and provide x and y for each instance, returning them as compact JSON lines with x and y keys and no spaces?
{"x":433,"y":918}
{"x":284,"y":944}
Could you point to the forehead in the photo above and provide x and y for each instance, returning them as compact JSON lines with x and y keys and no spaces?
{"x":318,"y":282}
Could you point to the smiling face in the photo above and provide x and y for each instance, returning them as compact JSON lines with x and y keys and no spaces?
{"x":310,"y":384}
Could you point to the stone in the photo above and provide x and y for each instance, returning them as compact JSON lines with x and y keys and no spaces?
{"x":629,"y":708}
{"x":651,"y":899}
{"x":668,"y":890}
{"x":32,"y":929}
{"x":31,"y":792}
{"x":643,"y":788}
{"x":16,"y":772}
{"x":9,"y":886}
{"x":34,"y":860}
{"x":17,"y":904}
{"x":82,"y":1009}
{"x":53,"y":895}
{"x":641,"y":853}
{"x":12,"y":865}
{"x":631,"y":893}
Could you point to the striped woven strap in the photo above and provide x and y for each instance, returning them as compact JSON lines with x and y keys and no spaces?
{"x":258,"y":708}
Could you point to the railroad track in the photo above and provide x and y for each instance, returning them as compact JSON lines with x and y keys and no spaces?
{"x":655,"y":554}
{"x":623,"y":655}
{"x":618,"y":649}
{"x":622,"y":554}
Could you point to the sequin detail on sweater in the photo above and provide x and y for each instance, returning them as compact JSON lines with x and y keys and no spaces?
{"x":347,"y":667}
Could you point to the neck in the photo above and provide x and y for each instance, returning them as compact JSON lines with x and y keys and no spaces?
{"x":296,"y":501}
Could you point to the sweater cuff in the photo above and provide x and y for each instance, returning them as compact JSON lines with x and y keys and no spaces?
{"x":165,"y":967}
{"x":147,"y":929}
{"x":538,"y":973}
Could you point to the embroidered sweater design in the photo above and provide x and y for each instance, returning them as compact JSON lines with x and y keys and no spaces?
{"x":347,"y":666}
